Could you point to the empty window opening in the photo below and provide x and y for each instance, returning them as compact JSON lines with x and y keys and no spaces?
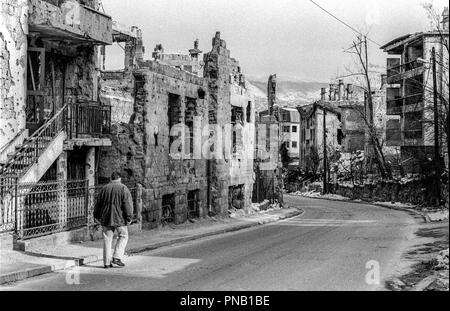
{"x":168,"y":208}
{"x":174,"y":114}
{"x":249,"y":112}
{"x":237,"y":118}
{"x":189,"y":115}
{"x":193,"y":208}
{"x":236,"y":197}
{"x":294,"y":129}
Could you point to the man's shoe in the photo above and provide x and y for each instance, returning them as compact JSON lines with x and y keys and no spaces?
{"x":108,"y":266}
{"x":118,"y":262}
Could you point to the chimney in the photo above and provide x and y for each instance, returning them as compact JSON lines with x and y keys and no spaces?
{"x":445,"y":19}
{"x":323,"y":93}
{"x":272,"y":93}
{"x":341,"y":90}
{"x":349,"y":91}
{"x":140,"y":49}
{"x":331,"y":92}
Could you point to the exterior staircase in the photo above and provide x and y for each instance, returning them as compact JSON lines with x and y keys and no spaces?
{"x":27,"y":162}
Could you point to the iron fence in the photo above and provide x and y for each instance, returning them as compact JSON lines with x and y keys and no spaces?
{"x":33,"y":210}
{"x":51,"y":207}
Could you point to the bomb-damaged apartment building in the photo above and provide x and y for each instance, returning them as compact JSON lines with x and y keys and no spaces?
{"x":410,"y":93}
{"x":66,"y":123}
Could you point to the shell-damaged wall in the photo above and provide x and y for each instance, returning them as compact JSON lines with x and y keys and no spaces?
{"x":141,"y":146}
{"x":227,"y":89}
{"x":13,"y":66}
{"x":141,"y":135}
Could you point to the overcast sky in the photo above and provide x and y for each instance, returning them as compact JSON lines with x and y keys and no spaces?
{"x":292,"y":38}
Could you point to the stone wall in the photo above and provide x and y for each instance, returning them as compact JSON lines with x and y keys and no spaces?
{"x":145,"y":151}
{"x":164,"y":173}
{"x":416,"y":192}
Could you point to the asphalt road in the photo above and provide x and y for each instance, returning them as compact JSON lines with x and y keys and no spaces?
{"x":332,"y":246}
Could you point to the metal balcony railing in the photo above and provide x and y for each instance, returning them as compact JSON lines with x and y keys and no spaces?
{"x":413,"y":102}
{"x":395,"y":73}
{"x":89,"y":119}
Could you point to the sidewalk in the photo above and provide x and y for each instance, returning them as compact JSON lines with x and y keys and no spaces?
{"x":16,"y":266}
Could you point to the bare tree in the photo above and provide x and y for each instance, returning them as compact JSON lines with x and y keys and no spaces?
{"x":359,"y":48}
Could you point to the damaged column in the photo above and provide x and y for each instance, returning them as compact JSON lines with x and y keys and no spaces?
{"x":13,"y":66}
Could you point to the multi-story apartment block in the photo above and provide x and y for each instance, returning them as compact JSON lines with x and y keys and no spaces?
{"x":409,"y":93}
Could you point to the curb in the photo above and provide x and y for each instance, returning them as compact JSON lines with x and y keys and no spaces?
{"x":32,"y":272}
{"x":424,"y":216}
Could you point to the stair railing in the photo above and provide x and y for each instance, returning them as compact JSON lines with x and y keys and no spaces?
{"x":30,"y":151}
{"x":10,"y":147}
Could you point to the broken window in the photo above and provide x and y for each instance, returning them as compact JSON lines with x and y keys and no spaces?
{"x":237,"y":115}
{"x":168,"y":208}
{"x":294,"y":129}
{"x":189,"y":115}
{"x":193,"y":204}
{"x":174,"y":114}
{"x":413,"y":125}
{"x":294,"y":144}
{"x":236,"y":197}
{"x":237,"y":118}
{"x":286,"y":129}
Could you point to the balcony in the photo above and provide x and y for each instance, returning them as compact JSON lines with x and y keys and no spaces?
{"x":406,"y":104}
{"x":71,"y":21}
{"x":89,"y":120}
{"x":404,"y":71}
{"x":394,"y":107}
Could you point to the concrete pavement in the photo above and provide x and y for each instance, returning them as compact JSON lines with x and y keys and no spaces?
{"x":332,"y":246}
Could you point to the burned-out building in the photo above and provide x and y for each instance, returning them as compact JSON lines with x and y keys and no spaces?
{"x":187,"y":136}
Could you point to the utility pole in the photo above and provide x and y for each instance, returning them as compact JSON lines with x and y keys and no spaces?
{"x":325,"y":179}
{"x":437,"y":156}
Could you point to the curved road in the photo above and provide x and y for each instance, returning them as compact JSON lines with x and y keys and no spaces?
{"x":326,"y":248}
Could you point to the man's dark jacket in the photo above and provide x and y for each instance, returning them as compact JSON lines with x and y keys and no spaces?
{"x":114,"y":206}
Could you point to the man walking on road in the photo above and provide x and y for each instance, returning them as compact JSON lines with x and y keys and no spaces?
{"x":114,"y":211}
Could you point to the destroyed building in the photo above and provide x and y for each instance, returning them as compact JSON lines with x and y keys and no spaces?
{"x":160,"y":142}
{"x":410,"y":91}
{"x":268,"y":184}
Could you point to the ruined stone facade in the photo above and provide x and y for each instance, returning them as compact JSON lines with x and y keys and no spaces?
{"x":164,"y":141}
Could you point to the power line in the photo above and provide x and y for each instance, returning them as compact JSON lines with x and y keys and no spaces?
{"x":344,"y":23}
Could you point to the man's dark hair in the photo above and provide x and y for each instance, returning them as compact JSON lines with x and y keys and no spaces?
{"x":115,"y":176}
